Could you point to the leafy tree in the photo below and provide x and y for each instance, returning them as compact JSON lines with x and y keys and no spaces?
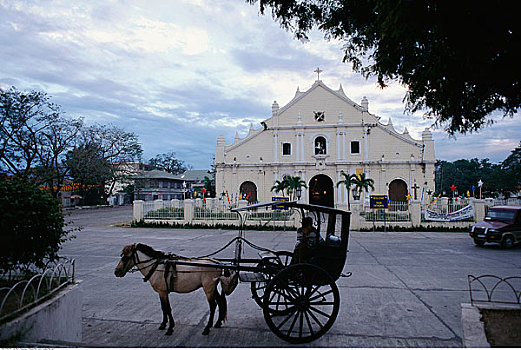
{"x":90,"y":171}
{"x":31,"y":225}
{"x":348,"y":182}
{"x":118,"y":148}
{"x":458,"y":60}
{"x":34,"y":137}
{"x":362,"y":183}
{"x":511,"y":168}
{"x":209,"y":186}
{"x":168,"y":162}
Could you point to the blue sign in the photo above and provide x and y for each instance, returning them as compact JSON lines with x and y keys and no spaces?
{"x":279,"y":206}
{"x":378,"y":202}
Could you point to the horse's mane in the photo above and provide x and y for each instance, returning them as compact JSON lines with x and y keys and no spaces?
{"x":151,"y":252}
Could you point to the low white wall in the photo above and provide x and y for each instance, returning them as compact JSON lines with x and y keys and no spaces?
{"x":56,"y":319}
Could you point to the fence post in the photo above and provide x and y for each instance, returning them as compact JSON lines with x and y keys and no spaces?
{"x":415,"y":212}
{"x":355,"y":215}
{"x":189,"y":210}
{"x":138,"y":210}
{"x":175,"y":203}
{"x":479,"y":210}
{"x":444,"y":204}
{"x":243,"y":203}
{"x":158,"y":204}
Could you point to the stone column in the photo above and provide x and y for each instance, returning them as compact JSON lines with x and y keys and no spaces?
{"x":138,"y":210}
{"x":415,"y":212}
{"x":355,"y":215}
{"x":189,"y":210}
{"x":479,"y":209}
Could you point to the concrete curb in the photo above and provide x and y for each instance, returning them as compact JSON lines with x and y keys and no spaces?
{"x":473,"y":328}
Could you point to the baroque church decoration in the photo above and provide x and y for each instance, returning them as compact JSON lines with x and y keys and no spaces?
{"x":293,"y":141}
{"x":319,"y":116}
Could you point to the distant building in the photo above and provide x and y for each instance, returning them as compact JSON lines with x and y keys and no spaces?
{"x":319,"y":133}
{"x":159,"y":184}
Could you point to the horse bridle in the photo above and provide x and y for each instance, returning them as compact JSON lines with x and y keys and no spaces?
{"x":134,"y":256}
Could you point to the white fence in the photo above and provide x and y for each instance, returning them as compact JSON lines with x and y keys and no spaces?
{"x":443,"y":213}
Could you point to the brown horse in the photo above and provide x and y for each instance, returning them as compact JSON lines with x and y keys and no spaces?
{"x":165,"y":276}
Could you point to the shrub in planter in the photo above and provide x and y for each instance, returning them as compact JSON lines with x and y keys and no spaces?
{"x":31,"y":226}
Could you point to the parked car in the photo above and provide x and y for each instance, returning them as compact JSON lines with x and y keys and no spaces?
{"x":502,"y":225}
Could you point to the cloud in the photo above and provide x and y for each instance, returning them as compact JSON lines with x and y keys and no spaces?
{"x":180,"y":73}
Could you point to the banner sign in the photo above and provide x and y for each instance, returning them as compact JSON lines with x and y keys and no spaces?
{"x":463,"y":213}
{"x":378,"y":202}
{"x":279,"y":206}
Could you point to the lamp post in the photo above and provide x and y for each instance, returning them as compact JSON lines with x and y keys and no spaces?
{"x":356,"y":195}
{"x":184,"y":190}
{"x":299,"y":193}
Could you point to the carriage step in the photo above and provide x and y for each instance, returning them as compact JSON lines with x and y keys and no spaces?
{"x":251,"y":277}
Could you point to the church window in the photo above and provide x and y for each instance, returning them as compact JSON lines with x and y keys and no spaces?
{"x":355,"y":147}
{"x":320,"y":145}
{"x":286,"y":149}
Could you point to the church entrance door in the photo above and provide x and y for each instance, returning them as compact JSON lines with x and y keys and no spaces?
{"x":397,"y":191}
{"x":249,"y":192}
{"x":321,"y":191}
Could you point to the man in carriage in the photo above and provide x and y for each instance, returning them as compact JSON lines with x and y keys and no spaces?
{"x":308,"y":240}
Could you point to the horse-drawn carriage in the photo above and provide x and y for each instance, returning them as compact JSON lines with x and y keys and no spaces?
{"x":300,"y":301}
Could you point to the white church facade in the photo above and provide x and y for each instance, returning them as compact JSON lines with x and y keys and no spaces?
{"x":315,"y":136}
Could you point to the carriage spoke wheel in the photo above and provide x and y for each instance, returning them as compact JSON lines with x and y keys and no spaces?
{"x":282,"y":261}
{"x":301,"y":303}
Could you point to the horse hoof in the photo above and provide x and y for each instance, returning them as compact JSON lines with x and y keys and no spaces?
{"x":162,"y":326}
{"x":206,"y":331}
{"x":169,"y":332}
{"x":218,"y":325}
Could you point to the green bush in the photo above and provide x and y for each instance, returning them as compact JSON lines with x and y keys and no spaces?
{"x":31,"y":226}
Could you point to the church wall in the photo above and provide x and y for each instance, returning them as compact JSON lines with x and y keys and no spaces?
{"x":240,"y":163}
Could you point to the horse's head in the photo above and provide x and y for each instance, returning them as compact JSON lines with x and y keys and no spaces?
{"x":127,"y":261}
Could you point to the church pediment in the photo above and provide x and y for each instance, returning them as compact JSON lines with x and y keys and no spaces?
{"x":321,"y":105}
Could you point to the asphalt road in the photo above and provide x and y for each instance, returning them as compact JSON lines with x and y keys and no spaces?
{"x":405,"y":291}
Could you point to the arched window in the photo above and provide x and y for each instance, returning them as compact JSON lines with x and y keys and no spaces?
{"x":320,"y":145}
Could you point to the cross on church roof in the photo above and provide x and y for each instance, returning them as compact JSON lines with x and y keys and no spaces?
{"x":318,"y":71}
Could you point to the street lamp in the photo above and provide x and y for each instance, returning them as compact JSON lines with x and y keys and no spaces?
{"x":184,"y":190}
{"x":356,"y":196}
{"x":299,"y":193}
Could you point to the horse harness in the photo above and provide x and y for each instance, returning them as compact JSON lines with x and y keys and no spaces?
{"x":169,"y":260}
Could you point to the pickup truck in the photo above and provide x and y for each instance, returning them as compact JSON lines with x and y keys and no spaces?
{"x":502,"y":225}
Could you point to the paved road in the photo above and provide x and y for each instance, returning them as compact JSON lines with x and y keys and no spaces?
{"x":405,"y":291}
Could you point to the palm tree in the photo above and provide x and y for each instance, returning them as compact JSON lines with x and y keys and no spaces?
{"x":294,"y":183}
{"x":280,"y":186}
{"x":363,"y":183}
{"x":348,"y":182}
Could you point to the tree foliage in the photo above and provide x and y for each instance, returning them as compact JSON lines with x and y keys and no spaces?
{"x":31,"y":225}
{"x":498,"y":179}
{"x":168,"y":162}
{"x":34,"y":137}
{"x":115,"y":149}
{"x":458,"y":60}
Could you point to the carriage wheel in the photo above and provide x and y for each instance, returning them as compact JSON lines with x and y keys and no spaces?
{"x":301,"y":303}
{"x":282,"y":260}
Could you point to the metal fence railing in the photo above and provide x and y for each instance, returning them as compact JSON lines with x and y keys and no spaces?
{"x":396,"y":212}
{"x":216,"y":213}
{"x":168,"y":213}
{"x":29,"y":292}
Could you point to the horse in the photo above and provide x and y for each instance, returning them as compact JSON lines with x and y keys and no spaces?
{"x":165,"y":276}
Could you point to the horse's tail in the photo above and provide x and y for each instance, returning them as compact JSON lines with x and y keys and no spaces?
{"x":229,"y":281}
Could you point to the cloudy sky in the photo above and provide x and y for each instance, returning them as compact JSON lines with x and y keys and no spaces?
{"x":179,"y":73}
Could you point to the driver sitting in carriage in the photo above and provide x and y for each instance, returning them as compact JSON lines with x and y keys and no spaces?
{"x":308,"y":240}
